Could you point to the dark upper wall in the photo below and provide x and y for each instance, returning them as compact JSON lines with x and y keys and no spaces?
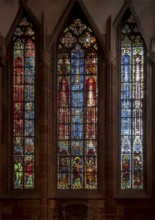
{"x":100,"y":10}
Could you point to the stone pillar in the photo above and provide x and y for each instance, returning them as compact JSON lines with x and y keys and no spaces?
{"x":44,"y":136}
{"x":152,"y":62}
{"x":110,"y":60}
{"x":2,"y":65}
{"x":111,"y":122}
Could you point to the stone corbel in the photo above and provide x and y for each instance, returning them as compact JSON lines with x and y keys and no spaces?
{"x":152,"y":50}
{"x":2,"y":51}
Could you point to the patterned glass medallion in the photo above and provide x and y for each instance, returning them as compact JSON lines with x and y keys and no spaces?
{"x":23,"y":105}
{"x":132,"y":105}
{"x":77,"y":94}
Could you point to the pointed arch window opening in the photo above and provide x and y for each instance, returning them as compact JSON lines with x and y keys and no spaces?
{"x":77,"y":92}
{"x":132,"y":105}
{"x":24,"y":53}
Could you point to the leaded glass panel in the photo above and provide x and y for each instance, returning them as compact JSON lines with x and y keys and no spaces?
{"x":24,"y":104}
{"x":132,"y":105}
{"x":77,"y":94}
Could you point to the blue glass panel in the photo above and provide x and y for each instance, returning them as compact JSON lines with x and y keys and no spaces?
{"x":77,"y":53}
{"x":29,"y":62}
{"x":29,"y":79}
{"x":126,"y":59}
{"x":126,"y":144}
{"x":77,"y":67}
{"x":125,"y":104}
{"x":29,"y":71}
{"x":77,"y":61}
{"x":126,"y":113}
{"x":29,"y":114}
{"x":138,"y":144}
{"x":77,"y":131}
{"x":77,"y":115}
{"x":29,"y":97}
{"x":77,"y":82}
{"x":77,"y":148}
{"x":126,"y":126}
{"x":126,"y":71}
{"x":77,"y":99}
{"x":126,"y":91}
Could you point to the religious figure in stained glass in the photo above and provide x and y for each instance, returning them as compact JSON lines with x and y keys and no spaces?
{"x":132,"y":104}
{"x":23,"y":104}
{"x":77,"y":89}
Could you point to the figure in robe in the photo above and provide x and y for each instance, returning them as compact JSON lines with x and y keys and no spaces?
{"x":77,"y":175}
{"x":91,"y":91}
{"x":63,"y":92}
{"x":29,"y":170}
{"x":125,"y":170}
{"x":18,"y":175}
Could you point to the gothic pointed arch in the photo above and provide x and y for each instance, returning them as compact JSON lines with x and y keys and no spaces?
{"x":133,"y":144}
{"x":22,"y":82}
{"x":78,"y":77}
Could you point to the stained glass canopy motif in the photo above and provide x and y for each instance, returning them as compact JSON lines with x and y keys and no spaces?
{"x":23,"y":105}
{"x":132,"y":105}
{"x":77,"y":100}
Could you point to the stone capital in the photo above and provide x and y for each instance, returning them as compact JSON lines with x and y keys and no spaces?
{"x":110,"y":56}
{"x":151,"y":54}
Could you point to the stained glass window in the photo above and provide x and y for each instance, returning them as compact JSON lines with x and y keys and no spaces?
{"x":132,"y":105}
{"x":77,"y":97}
{"x":23,"y":105}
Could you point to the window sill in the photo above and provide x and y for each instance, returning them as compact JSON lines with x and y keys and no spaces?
{"x":132,"y":194}
{"x":78,"y":194}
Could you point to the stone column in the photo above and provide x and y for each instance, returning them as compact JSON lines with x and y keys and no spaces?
{"x":2,"y":65}
{"x":111,"y":122}
{"x":110,"y":60}
{"x":152,"y":62}
{"x":44,"y":136}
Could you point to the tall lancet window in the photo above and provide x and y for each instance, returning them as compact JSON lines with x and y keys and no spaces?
{"x":23,"y":104}
{"x":132,"y":104}
{"x":77,"y":101}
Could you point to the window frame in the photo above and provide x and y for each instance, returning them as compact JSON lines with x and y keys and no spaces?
{"x":148,"y":142}
{"x":52,"y":152}
{"x":8,"y":106}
